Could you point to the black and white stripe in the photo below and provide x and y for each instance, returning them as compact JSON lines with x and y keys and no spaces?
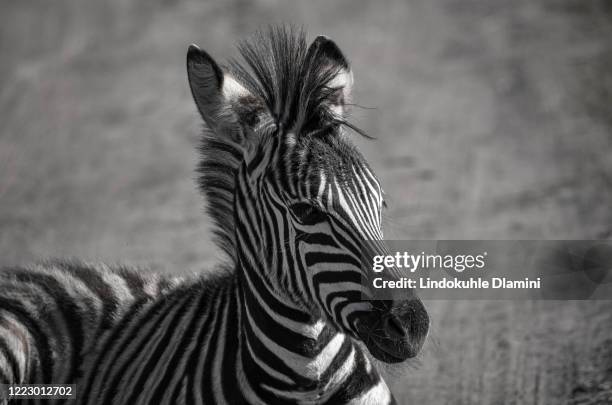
{"x":52,"y":314}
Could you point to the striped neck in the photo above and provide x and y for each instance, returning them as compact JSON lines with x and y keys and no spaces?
{"x":300,"y":354}
{"x":295,"y":356}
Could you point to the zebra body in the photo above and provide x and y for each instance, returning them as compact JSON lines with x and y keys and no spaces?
{"x":288,"y":318}
{"x":52,"y":315}
{"x":128,"y":337}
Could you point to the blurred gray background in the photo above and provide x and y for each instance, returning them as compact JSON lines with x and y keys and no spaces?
{"x":493,"y":120}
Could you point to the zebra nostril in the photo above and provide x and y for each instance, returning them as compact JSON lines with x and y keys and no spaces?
{"x":395,"y":327}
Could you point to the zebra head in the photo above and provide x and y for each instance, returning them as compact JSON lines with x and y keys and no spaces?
{"x":294,"y":201}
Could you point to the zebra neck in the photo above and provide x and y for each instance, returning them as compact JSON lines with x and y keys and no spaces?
{"x":288,"y":355}
{"x":294,"y":343}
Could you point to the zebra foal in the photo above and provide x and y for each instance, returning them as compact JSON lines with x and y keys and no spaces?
{"x":296,"y":209}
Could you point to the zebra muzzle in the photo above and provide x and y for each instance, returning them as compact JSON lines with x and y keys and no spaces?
{"x":394,"y":331}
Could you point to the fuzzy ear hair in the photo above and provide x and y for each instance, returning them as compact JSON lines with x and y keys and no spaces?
{"x":329,"y":54}
{"x":224,"y":104}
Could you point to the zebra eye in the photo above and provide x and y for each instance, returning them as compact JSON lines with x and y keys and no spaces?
{"x":307,"y":214}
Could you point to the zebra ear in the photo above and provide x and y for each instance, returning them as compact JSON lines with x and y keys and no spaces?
{"x":329,"y":55}
{"x":224,"y":104}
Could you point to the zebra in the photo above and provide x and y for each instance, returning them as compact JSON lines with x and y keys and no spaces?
{"x":287,"y":317}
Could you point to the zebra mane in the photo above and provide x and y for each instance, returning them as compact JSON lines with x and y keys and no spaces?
{"x":293,"y":82}
{"x":217,"y":169}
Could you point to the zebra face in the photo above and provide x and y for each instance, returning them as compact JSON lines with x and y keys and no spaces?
{"x":334,"y":222}
{"x":292,"y":199}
